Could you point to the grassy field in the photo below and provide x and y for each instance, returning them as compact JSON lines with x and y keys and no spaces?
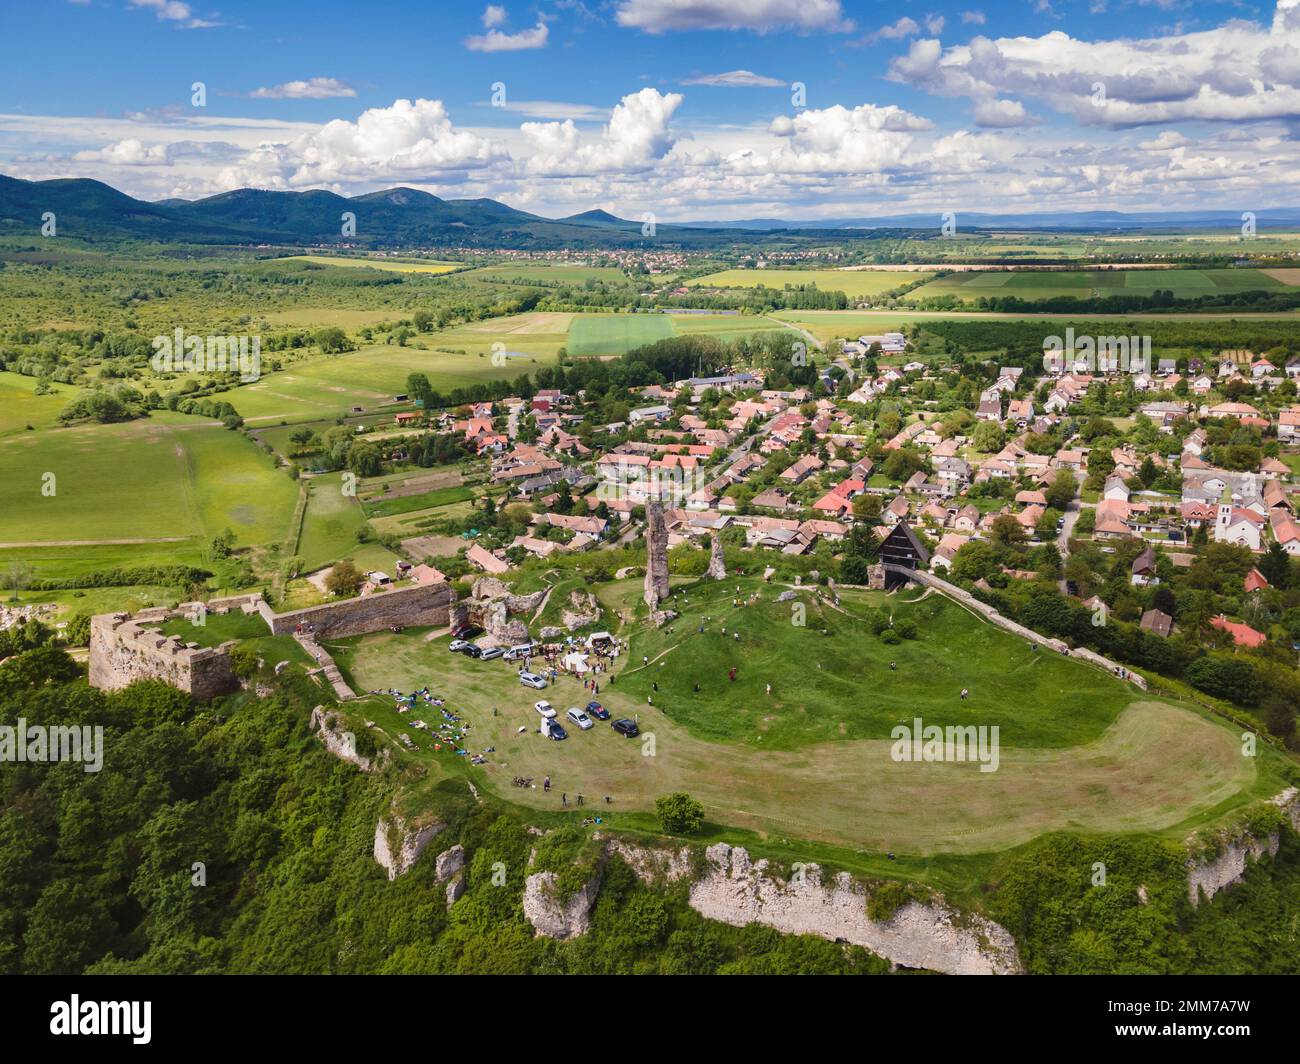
{"x":164,"y":480}
{"x":548,"y":274}
{"x":1113,"y":765}
{"x":856,"y":284}
{"x":614,"y":334}
{"x":395,"y":265}
{"x":1039,"y":284}
{"x":217,"y":628}
{"x":833,"y":324}
{"x":329,"y":528}
{"x":20,"y":406}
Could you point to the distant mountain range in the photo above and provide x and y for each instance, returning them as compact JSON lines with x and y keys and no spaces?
{"x":405,"y":217}
{"x":402,"y":217}
{"x":1086,"y":221}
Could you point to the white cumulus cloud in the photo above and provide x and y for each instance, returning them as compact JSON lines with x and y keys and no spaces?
{"x":761,"y":16}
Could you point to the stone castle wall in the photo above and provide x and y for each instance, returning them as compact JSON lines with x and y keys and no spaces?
{"x":418,"y":605}
{"x":123,"y":651}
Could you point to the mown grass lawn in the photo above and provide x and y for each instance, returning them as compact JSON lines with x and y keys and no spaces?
{"x":1077,"y":751}
{"x":831,"y":679}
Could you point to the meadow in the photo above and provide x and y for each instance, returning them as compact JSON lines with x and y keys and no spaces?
{"x":548,"y":273}
{"x":814,"y":761}
{"x":1049,"y":284}
{"x":164,"y":480}
{"x":856,"y":284}
{"x":377,"y":263}
{"x":20,"y":406}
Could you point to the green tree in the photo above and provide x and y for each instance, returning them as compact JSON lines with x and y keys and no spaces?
{"x":679,"y":813}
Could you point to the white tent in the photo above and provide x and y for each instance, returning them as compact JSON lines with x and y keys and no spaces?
{"x":576,"y":662}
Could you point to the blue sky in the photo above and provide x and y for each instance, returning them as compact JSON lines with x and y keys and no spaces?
{"x":680,"y":107}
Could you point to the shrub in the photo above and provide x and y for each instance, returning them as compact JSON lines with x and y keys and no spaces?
{"x":679,"y":813}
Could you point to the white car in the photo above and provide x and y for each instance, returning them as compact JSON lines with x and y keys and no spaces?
{"x":579,"y":718}
{"x":457,"y":645}
{"x":531,"y":679}
{"x":545,"y":709}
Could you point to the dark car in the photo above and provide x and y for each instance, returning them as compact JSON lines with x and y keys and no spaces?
{"x":598,"y":711}
{"x":464,"y":631}
{"x":555,"y":730}
{"x":472,"y":651}
{"x":626,"y":728}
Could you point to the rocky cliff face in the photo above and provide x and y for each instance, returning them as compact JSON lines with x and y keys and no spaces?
{"x":398,"y":845}
{"x":1234,"y":853}
{"x":557,"y":917}
{"x":928,"y":935}
{"x":330,"y":729}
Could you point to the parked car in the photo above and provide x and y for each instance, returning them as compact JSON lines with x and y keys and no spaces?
{"x":554,"y":730}
{"x":598,"y":711}
{"x":531,"y":679}
{"x":464,"y":631}
{"x":471,"y":651}
{"x":520,"y":652}
{"x":492,"y":652}
{"x":579,"y":718}
{"x":457,"y":645}
{"x":626,"y":728}
{"x":544,"y":708}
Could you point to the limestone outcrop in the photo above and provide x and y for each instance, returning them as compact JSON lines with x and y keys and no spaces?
{"x":1234,"y":853}
{"x":398,"y":845}
{"x":449,"y":862}
{"x":559,"y":917}
{"x":583,"y":609}
{"x":329,"y":729}
{"x":928,"y":935}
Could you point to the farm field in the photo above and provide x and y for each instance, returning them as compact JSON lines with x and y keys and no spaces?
{"x":330,"y":523}
{"x":395,"y":265}
{"x":615,"y":334}
{"x":546,"y":273}
{"x":164,"y":480}
{"x":20,"y":406}
{"x":1038,"y":284}
{"x":831,"y":324}
{"x":1060,"y":770}
{"x":372,"y":375}
{"x":856,"y":284}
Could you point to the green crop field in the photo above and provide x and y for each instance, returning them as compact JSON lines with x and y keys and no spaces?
{"x":1079,"y":750}
{"x":856,"y":284}
{"x":373,"y":374}
{"x":164,"y":480}
{"x":331,"y":522}
{"x":1048,"y":284}
{"x":549,"y":274}
{"x":396,"y":265}
{"x":615,"y":334}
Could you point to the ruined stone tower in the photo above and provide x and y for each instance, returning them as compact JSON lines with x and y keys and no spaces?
{"x":656,"y":563}
{"x":717,"y":564}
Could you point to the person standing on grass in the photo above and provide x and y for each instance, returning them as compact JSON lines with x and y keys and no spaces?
{"x":564,"y":799}
{"x":546,"y":783}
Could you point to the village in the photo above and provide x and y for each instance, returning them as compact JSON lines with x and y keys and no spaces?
{"x":793,"y":470}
